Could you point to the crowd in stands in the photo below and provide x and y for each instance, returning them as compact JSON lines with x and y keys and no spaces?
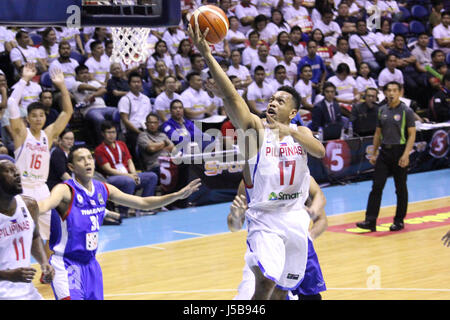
{"x":338,"y":55}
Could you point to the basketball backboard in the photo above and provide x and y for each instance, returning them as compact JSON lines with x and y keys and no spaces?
{"x":80,"y":13}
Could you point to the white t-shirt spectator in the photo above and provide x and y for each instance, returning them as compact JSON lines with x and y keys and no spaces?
{"x":80,"y":96}
{"x":300,"y":52}
{"x":423,"y":56}
{"x":275,"y":84}
{"x":269,"y":66}
{"x":137,"y":108}
{"x":274,"y":30}
{"x":371,"y":7}
{"x":242,"y":73}
{"x":304,"y":90}
{"x":248,"y":55}
{"x":261,"y":96}
{"x":173,"y":40}
{"x":265,"y":6}
{"x":362,"y":84}
{"x":356,"y":42}
{"x":183,"y":62}
{"x":31,"y":54}
{"x":241,"y":12}
{"x":294,"y":16}
{"x":344,"y":88}
{"x":69,"y":35}
{"x":167,"y":59}
{"x":291,"y":71}
{"x":339,"y":57}
{"x":162,"y":103}
{"x":68,"y":70}
{"x":381,"y":37}
{"x":443,"y":33}
{"x":235,"y":34}
{"x":386,"y":76}
{"x":151,"y":43}
{"x":30,"y":94}
{"x":334,"y":27}
{"x":196,"y":100}
{"x":6,"y":35}
{"x":264,"y":34}
{"x":99,"y":68}
{"x":54,"y":54}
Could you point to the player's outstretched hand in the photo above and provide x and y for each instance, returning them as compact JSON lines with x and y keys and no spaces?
{"x":19,"y":274}
{"x":192,"y":187}
{"x":446,"y":239}
{"x":199,"y":39}
{"x":29,"y":71}
{"x":57,"y":77}
{"x":235,"y":218}
{"x":48,"y":273}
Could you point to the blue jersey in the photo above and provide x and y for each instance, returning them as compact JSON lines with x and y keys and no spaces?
{"x":75,"y":234}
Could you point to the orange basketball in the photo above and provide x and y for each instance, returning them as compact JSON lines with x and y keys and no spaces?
{"x":212,"y":17}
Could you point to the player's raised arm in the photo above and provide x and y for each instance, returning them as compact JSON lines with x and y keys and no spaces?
{"x":55,"y":129}
{"x":60,"y":193}
{"x":152,"y":202}
{"x":234,"y":104}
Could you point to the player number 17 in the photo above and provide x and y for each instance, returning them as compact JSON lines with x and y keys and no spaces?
{"x":286,"y":164}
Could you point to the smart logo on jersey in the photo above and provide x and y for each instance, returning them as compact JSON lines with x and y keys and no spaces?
{"x":25,"y":174}
{"x":284,"y":196}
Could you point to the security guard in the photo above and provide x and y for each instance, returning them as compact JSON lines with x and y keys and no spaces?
{"x":395,"y":133}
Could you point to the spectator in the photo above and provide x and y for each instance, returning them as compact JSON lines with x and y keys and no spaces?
{"x":323,"y":50}
{"x":153,"y":144}
{"x":296,"y":36}
{"x":265,"y":7}
{"x":305,"y":89}
{"x":260,"y":25}
{"x":346,"y":22}
{"x":198,"y":65}
{"x":238,"y":70}
{"x":327,"y":114}
{"x":117,"y":86}
{"x":364,"y":81}
{"x":173,"y":36}
{"x":160,"y":53}
{"x":100,"y":35}
{"x":115,"y":162}
{"x":72,"y":36}
{"x":48,"y":51}
{"x":435,"y":15}
{"x":291,"y":67}
{"x":265,"y":60}
{"x":66,"y":64}
{"x":236,"y":38}
{"x":276,"y":50}
{"x":88,"y":95}
{"x":441,"y":33}
{"x":161,"y":73}
{"x":251,"y":52}
{"x":393,"y":10}
{"x":225,"y":5}
{"x":364,"y":114}
{"x":182,"y":59}
{"x":246,"y":13}
{"x":373,"y":6}
{"x":422,"y":52}
{"x":163,"y":100}
{"x":276,"y":25}
{"x":280,"y":78}
{"x":180,"y":129}
{"x":342,"y":56}
{"x":221,"y":50}
{"x":58,"y":159}
{"x":30,"y":94}
{"x":134,"y":108}
{"x":346,"y":90}
{"x":439,"y":110}
{"x":330,"y":29}
{"x":317,"y":65}
{"x":259,"y":92}
{"x":390,"y":73}
{"x":298,"y":15}
{"x":46,"y":98}
{"x":365,"y":46}
{"x":98,"y":64}
{"x":24,"y":53}
{"x":197,"y":104}
{"x":385,"y":35}
{"x":415,"y":82}
{"x":436,"y":82}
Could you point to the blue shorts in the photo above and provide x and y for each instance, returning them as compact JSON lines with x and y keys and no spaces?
{"x":76,"y":281}
{"x":313,"y":282}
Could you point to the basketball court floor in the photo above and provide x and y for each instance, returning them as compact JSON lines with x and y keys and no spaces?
{"x":189,"y":254}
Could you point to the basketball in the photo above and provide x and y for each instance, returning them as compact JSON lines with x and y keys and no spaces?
{"x":212,"y":17}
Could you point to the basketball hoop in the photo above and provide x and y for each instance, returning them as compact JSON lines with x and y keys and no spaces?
{"x":129,"y":43}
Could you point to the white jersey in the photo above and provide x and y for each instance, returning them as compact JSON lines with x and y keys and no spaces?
{"x":33,"y":160}
{"x":280,"y":175}
{"x":16,"y":237}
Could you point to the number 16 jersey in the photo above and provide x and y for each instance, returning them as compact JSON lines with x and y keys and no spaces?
{"x":280,"y":175}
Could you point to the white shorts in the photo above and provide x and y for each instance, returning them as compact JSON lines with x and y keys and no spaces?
{"x":278,"y":245}
{"x":40,"y":192}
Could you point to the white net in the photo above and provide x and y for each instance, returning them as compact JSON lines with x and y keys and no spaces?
{"x":129,"y":43}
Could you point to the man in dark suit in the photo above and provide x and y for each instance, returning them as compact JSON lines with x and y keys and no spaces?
{"x":364,"y":114}
{"x":327,"y":114}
